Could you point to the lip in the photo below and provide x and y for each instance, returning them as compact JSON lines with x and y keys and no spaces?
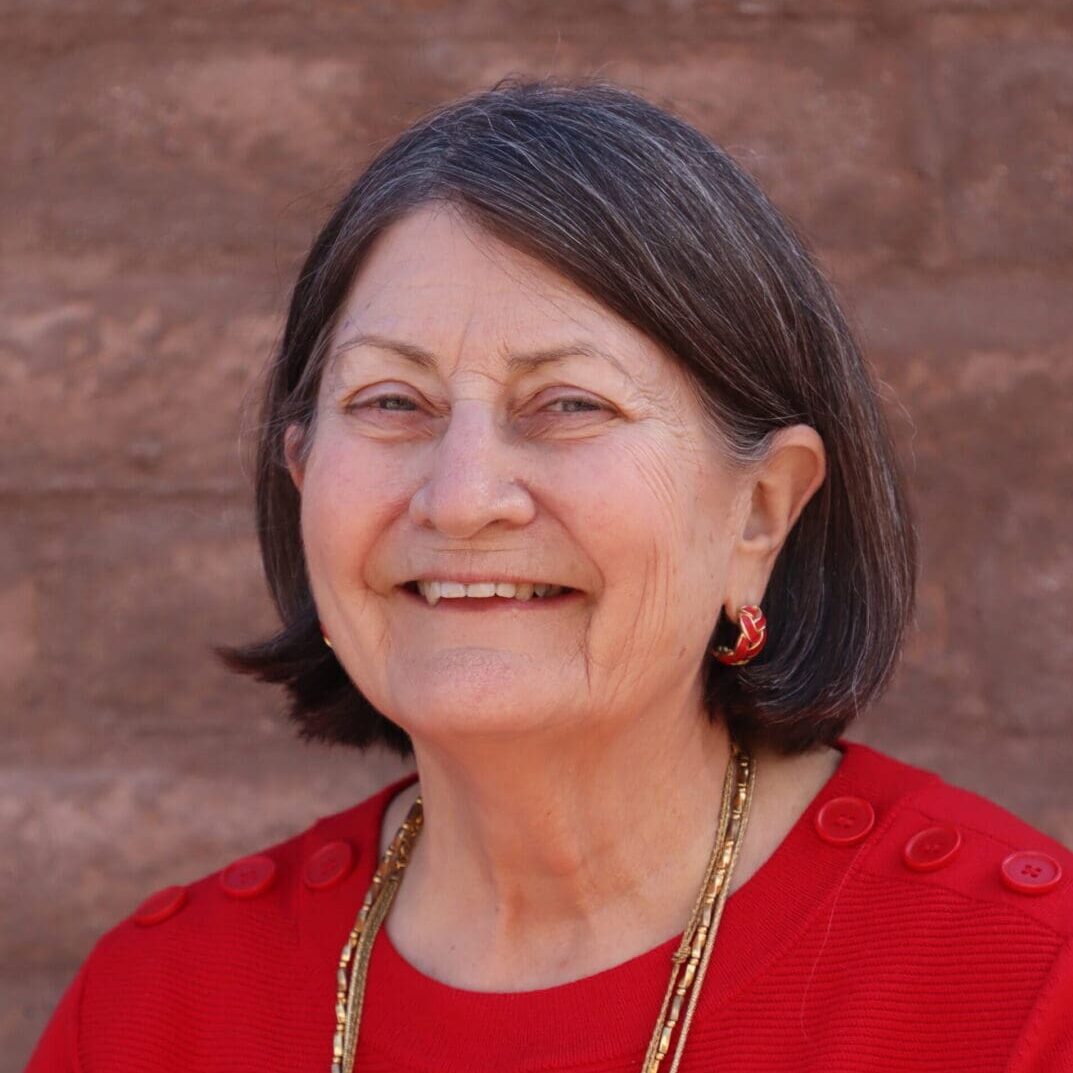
{"x":490,"y":603}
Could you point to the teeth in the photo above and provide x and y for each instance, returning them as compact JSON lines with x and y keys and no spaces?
{"x":434,"y":591}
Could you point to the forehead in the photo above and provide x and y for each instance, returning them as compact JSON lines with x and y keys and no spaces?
{"x":441,"y":282}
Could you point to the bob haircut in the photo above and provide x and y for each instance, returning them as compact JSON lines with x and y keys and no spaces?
{"x":647,"y":215}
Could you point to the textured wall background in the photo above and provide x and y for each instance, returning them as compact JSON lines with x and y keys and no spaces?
{"x":165,"y":166}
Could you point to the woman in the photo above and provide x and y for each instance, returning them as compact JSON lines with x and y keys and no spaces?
{"x":573,"y":482}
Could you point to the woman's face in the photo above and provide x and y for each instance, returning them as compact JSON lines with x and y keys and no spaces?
{"x":482,"y":420}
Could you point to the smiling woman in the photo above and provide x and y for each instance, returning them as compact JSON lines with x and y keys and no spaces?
{"x":586,"y":274}
{"x":573,"y":484}
{"x":533,"y":437}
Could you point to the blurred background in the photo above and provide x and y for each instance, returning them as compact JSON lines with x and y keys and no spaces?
{"x":165,"y":167}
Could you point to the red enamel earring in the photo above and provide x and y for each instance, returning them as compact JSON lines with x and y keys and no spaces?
{"x":750,"y":640}
{"x":325,"y":636}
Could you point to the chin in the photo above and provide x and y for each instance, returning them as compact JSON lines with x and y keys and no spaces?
{"x":475,"y":691}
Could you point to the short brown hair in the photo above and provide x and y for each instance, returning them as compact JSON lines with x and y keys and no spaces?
{"x":650,"y":217}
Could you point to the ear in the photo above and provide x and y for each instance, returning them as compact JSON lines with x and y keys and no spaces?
{"x":293,"y":441}
{"x":776,"y":495}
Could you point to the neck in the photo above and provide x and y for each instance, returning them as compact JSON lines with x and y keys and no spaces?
{"x":546,"y":863}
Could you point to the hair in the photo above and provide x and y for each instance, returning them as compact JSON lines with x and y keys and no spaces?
{"x":649,"y":216}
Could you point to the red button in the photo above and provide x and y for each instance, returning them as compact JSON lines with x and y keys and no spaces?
{"x":845,"y":820}
{"x":248,"y":876}
{"x":1031,"y":872}
{"x":932,"y":848}
{"x":328,"y":866}
{"x":160,"y":906}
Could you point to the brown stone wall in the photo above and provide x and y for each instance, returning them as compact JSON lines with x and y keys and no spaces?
{"x":165,"y":165}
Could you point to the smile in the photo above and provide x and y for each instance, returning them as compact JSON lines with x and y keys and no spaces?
{"x":486,"y":593}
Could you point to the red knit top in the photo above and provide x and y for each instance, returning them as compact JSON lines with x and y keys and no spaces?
{"x":860,"y":944}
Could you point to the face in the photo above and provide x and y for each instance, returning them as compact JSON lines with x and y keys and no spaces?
{"x":481,"y":421}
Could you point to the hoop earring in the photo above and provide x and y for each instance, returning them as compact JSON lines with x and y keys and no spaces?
{"x":751,"y":639}
{"x":325,"y":636}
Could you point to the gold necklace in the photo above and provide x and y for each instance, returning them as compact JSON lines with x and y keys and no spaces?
{"x":689,"y":962}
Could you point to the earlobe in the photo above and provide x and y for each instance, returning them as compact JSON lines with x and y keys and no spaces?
{"x":292,"y":453}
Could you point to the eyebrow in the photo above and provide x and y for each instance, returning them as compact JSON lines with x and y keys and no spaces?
{"x":528,"y":360}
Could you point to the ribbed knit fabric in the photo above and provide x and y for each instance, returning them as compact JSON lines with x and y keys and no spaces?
{"x":829,"y":958}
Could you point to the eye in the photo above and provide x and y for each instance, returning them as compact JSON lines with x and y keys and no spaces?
{"x":392,"y":403}
{"x":575,"y":404}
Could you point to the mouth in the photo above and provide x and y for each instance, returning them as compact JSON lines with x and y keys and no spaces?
{"x":487,"y":595}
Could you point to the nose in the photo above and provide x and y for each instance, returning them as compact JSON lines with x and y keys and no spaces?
{"x":471,"y":483}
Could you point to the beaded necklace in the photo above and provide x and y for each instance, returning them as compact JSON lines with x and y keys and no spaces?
{"x":689,"y":962}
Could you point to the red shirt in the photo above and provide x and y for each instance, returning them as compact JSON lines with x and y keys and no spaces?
{"x":838,"y":954}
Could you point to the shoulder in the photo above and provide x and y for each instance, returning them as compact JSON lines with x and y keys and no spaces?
{"x":933,"y":834}
{"x":198,"y":961}
{"x":264,"y":886}
{"x":949,"y":916}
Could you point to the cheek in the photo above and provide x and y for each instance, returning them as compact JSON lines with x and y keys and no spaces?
{"x":347,"y":501}
{"x":651,"y":501}
{"x":645,"y":525}
{"x":653,"y":519}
